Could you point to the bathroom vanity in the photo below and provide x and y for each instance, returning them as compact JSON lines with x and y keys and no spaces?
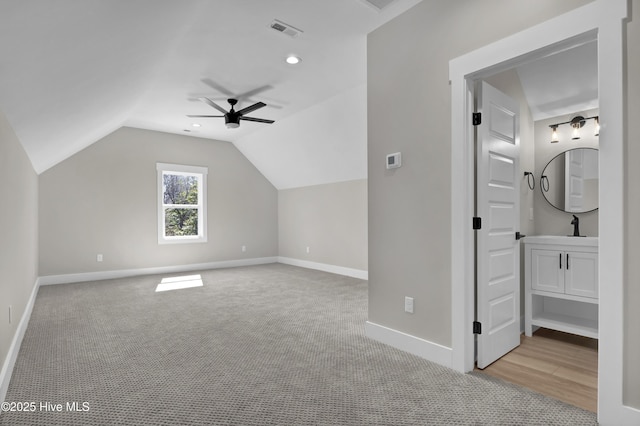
{"x":561,"y":284}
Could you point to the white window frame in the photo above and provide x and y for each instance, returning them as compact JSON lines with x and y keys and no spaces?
{"x":178,"y":169}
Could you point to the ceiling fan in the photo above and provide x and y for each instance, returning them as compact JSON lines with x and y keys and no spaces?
{"x":232,"y":117}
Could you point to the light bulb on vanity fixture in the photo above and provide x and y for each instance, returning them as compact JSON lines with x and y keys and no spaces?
{"x":575,"y":133}
{"x":554,"y":134}
{"x":576,"y":122}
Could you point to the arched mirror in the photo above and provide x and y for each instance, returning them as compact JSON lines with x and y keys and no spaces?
{"x":569,"y":182}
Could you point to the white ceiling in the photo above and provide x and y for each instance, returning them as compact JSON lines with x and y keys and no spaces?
{"x":563,"y":83}
{"x":72,"y":72}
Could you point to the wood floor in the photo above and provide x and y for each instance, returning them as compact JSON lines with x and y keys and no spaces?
{"x":560,"y":365}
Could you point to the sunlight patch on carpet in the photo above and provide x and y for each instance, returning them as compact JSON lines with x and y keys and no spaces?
{"x":178,"y":283}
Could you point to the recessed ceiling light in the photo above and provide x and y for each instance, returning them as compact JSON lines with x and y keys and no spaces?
{"x":196,"y":125}
{"x":293,"y":59}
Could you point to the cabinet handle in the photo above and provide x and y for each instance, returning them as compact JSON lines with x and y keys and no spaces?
{"x":560,"y":257}
{"x":567,"y":260}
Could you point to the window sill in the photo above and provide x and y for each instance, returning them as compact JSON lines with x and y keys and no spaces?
{"x":182,"y":240}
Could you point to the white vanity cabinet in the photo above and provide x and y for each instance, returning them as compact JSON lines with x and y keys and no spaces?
{"x":561,"y":284}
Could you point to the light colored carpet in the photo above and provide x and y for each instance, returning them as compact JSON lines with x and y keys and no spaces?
{"x":262,"y":345}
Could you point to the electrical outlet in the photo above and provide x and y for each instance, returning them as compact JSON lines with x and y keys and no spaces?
{"x":99,"y":258}
{"x":244,"y":248}
{"x":531,"y":213}
{"x":408,"y":304}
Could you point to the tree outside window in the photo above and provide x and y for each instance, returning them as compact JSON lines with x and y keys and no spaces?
{"x":181,"y":216}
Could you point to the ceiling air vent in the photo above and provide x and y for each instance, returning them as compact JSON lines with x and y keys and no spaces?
{"x":287,"y":29}
{"x":378,"y":4}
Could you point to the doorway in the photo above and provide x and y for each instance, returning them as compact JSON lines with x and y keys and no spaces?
{"x":559,"y":365}
{"x":540,"y":94}
{"x":593,"y":21}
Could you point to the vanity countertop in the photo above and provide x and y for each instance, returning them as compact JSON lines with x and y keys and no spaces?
{"x":562,"y":240}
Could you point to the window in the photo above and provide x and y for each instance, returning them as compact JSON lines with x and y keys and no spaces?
{"x":182,"y":203}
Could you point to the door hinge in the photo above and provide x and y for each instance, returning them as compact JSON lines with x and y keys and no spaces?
{"x":477,"y":327}
{"x":477,"y":118}
{"x":477,"y":223}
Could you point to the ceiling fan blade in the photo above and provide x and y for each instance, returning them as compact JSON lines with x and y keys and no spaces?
{"x":217,"y":87}
{"x":213,"y":104}
{"x":204,"y":116}
{"x":251,"y":108}
{"x":257,"y":120}
{"x":254,"y":92}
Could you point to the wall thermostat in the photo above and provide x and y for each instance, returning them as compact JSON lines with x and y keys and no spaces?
{"x":394,"y":160}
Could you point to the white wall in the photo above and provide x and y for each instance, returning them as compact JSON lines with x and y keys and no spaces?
{"x":406,"y":211}
{"x":19,"y":241}
{"x":104,"y":200}
{"x":330,"y":219}
{"x":409,"y":110}
{"x":549,"y":220}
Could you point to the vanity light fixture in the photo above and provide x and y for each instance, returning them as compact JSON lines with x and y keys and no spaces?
{"x":576,"y":123}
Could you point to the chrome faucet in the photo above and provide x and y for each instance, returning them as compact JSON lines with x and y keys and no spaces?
{"x":576,"y":222}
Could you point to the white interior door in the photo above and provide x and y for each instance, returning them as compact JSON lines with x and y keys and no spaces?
{"x":498,"y":205}
{"x":574,"y":180}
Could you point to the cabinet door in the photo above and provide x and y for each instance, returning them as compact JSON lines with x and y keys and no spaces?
{"x":547,"y":270}
{"x":581,"y":278}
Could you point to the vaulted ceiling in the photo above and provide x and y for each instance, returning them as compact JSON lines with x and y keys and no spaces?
{"x":72,"y":72}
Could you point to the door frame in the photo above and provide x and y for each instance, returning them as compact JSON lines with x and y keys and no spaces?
{"x":601,"y":20}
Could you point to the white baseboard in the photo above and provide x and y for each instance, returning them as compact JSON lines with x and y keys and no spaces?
{"x":124,"y":273}
{"x":12,"y":355}
{"x":624,"y":416}
{"x":423,"y":348}
{"x":340,"y":270}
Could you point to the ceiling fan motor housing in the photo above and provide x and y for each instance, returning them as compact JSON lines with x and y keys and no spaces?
{"x":232,"y":120}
